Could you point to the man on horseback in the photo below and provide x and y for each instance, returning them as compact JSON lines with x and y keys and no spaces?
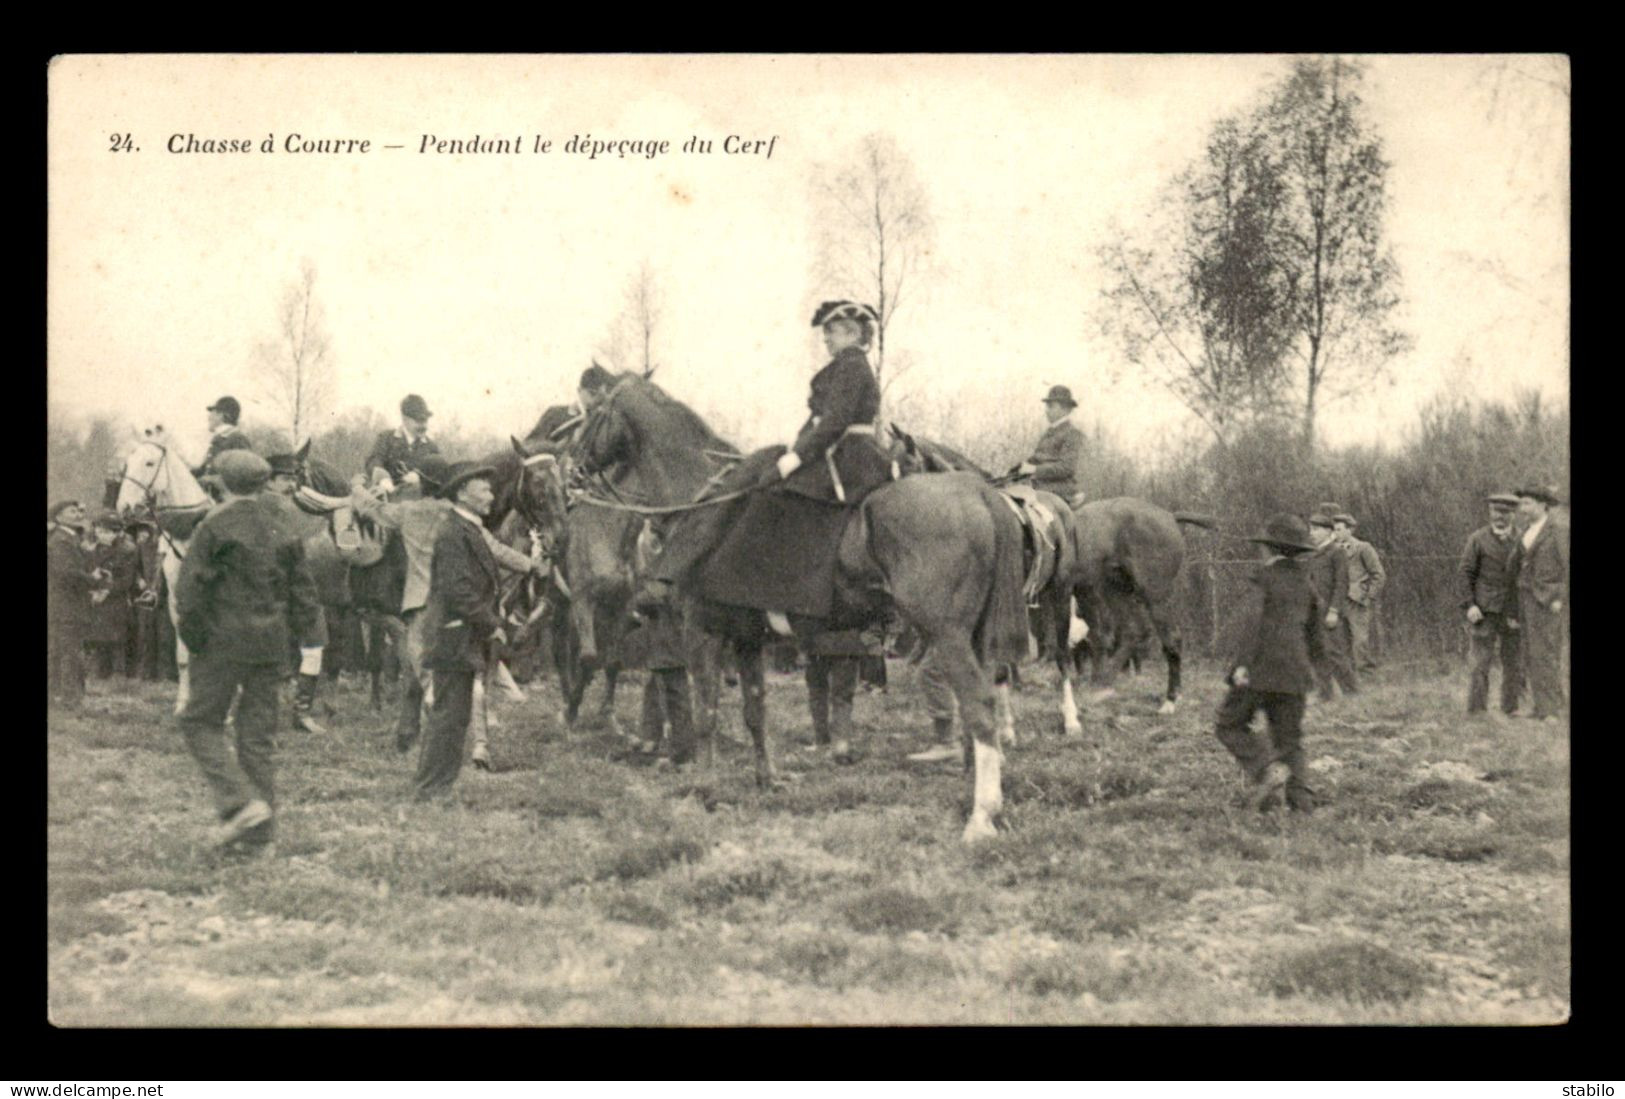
{"x":396,"y":454}
{"x":1053,"y":466}
{"x":224,"y":435}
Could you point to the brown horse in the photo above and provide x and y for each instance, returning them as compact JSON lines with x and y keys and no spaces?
{"x":942,"y":550}
{"x":1129,"y":556}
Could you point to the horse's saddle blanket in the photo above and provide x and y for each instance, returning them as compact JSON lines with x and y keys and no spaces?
{"x":1036,"y":519}
{"x":359,"y":543}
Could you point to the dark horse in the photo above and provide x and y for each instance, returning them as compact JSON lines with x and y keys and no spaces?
{"x":1129,"y":556}
{"x":943,"y":550}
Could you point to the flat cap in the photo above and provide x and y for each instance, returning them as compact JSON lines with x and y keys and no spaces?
{"x":242,"y":471}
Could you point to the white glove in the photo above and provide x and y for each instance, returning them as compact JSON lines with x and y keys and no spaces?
{"x":789,"y":463}
{"x":1239,"y":677}
{"x":310,"y":660}
{"x":1474,"y":615}
{"x":411,"y":478}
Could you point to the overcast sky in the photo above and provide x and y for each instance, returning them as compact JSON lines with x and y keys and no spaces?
{"x":485,"y":283}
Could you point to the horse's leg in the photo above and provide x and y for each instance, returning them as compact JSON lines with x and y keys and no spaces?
{"x":612,"y":674}
{"x":970,"y":684}
{"x":372,"y":635}
{"x":584,"y":621}
{"x":753,"y":688}
{"x":1006,"y":714}
{"x":705,"y":671}
{"x":1061,"y":615}
{"x":1172,"y":640}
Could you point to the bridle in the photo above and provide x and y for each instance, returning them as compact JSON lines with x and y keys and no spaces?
{"x":148,"y":497}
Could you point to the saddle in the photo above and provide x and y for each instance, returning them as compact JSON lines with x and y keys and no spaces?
{"x":1036,"y":544}
{"x":360,"y":543}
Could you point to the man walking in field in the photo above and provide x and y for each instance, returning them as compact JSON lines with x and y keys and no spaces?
{"x":1366,"y":580}
{"x":244,"y":589}
{"x":1542,"y":564}
{"x":1275,"y":647}
{"x":1328,"y":571}
{"x":1490,"y":600}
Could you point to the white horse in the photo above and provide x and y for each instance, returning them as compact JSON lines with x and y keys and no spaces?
{"x":155,"y":477}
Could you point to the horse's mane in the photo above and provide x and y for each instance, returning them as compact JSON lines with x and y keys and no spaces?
{"x":325,"y":478}
{"x":664,"y":405}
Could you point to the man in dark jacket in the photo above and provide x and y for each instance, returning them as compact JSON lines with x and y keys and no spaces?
{"x":109,"y":633}
{"x":1054,"y":462}
{"x":243,"y":589}
{"x":224,"y":435}
{"x":70,"y":578}
{"x":462,"y":622}
{"x":145,"y":608}
{"x":1490,"y":600}
{"x":659,"y":645}
{"x":395,"y":455}
{"x":1542,"y":564}
{"x":1272,"y":669}
{"x":1328,"y":570}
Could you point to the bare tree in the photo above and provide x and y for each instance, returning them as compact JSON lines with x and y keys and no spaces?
{"x":1195,"y":298}
{"x":296,"y":368}
{"x":1340,"y":273}
{"x":874,"y":232}
{"x":631,"y":335}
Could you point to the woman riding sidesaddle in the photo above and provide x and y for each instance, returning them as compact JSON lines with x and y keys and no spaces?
{"x":776,"y":548}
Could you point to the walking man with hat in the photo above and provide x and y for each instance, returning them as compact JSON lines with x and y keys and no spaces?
{"x":1490,"y":600}
{"x":1542,"y":564}
{"x":1366,"y":580}
{"x":1275,"y":647}
{"x":243,"y":592}
{"x":70,"y":579}
{"x":1054,"y":462}
{"x":1328,"y":569}
{"x":224,"y":435}
{"x":420,"y":515}
{"x":462,"y":624}
{"x":396,"y":454}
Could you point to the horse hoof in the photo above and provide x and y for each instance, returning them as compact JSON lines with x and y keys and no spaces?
{"x":979,"y":828}
{"x":1168,"y":706}
{"x":1073,"y":728}
{"x":1007,"y":736}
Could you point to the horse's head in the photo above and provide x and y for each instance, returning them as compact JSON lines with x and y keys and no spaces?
{"x":610,"y":434}
{"x":539,"y":494}
{"x":153,"y":476}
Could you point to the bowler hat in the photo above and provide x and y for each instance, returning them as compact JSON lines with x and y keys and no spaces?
{"x":108,"y":519}
{"x":596,"y":377}
{"x":415,"y":407}
{"x":460,"y":474}
{"x":843,"y":311}
{"x":432,"y":470}
{"x":283,"y":465}
{"x":1060,"y":394}
{"x":1546,"y":493}
{"x":242,"y":471}
{"x":1328,"y":508}
{"x":1285,"y":532}
{"x":227,"y":407}
{"x":1321,"y":519}
{"x":1345,"y":518}
{"x":1502,"y":500}
{"x":59,"y":507}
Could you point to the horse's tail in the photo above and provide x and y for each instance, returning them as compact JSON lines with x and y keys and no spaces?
{"x":1196,"y":519}
{"x":1001,"y":630}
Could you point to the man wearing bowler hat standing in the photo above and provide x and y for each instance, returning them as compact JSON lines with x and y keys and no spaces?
{"x":70,"y":580}
{"x":1542,"y":564}
{"x":462,"y":623}
{"x":1366,"y":580}
{"x":243,"y":591}
{"x":1328,"y":570}
{"x":1490,"y":599}
{"x":1054,"y":462}
{"x":224,"y":435}
{"x":395,"y":456}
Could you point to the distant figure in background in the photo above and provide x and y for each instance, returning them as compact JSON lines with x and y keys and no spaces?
{"x":70,"y":578}
{"x":1328,"y":570}
{"x":395,"y":456}
{"x":109,"y":633}
{"x":1054,"y":462}
{"x":224,"y":435}
{"x":1274,"y":653}
{"x":1542,"y":563}
{"x":595,"y":382}
{"x":1366,"y":580}
{"x":243,"y":589}
{"x":1490,"y":599}
{"x":145,"y":606}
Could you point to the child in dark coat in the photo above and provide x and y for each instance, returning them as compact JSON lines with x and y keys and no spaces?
{"x":1273,"y":669}
{"x":658,"y":644}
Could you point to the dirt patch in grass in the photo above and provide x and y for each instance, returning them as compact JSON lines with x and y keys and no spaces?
{"x":1357,"y":971}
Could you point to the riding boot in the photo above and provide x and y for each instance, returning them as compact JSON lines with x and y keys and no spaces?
{"x":818,"y":699}
{"x":304,"y":702}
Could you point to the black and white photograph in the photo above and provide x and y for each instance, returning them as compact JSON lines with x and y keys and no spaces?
{"x":807,"y":540}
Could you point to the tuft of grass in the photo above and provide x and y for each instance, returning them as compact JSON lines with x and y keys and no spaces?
{"x":819,"y":959}
{"x":644,"y":858}
{"x":1358,"y":971}
{"x":630,"y":908}
{"x":64,"y":924}
{"x":894,"y":911}
{"x":1540,"y":957}
{"x":1447,"y":797}
{"x":492,"y":878}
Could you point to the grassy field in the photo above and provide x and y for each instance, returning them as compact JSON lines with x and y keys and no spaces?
{"x":570,"y":888}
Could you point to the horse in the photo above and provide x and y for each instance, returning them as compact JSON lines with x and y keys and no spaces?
{"x":154,"y":478}
{"x":942,"y":550}
{"x":1129,"y":555}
